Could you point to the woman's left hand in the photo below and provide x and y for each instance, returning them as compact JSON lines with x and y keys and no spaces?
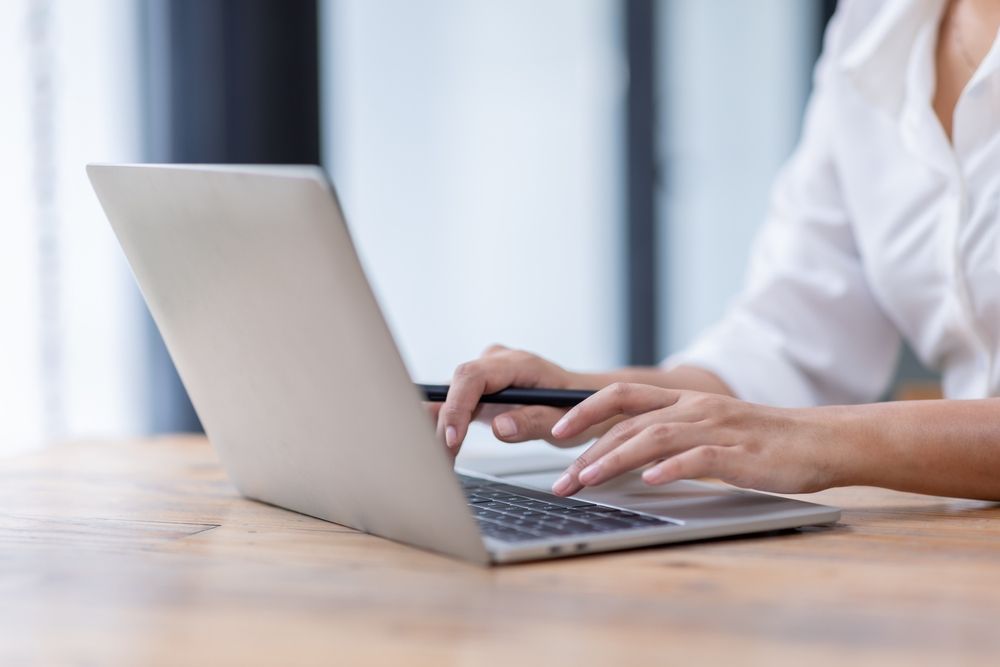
{"x":688,"y":434}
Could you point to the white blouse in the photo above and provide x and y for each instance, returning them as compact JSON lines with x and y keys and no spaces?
{"x":879,"y":228}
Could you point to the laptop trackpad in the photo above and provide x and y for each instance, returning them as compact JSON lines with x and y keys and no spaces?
{"x":685,"y":500}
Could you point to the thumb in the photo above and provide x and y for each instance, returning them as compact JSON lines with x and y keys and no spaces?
{"x":531,"y":422}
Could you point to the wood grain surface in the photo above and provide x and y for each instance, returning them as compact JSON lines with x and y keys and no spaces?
{"x":141,"y":553}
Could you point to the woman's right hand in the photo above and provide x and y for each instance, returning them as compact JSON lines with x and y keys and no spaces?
{"x":499,"y":368}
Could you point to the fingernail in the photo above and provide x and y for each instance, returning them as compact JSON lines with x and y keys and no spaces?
{"x":560,"y":426}
{"x":651,"y":475}
{"x":562,"y":484}
{"x":506,"y":427}
{"x":451,"y":437}
{"x":589,"y":474}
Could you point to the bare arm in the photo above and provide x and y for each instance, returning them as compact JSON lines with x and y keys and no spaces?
{"x":685,"y":423}
{"x":944,"y":448}
{"x":948,"y":447}
{"x":500,"y":367}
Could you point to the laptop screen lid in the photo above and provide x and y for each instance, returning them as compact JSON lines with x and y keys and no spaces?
{"x":253,"y":281}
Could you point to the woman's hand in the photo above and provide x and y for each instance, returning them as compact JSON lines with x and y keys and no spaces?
{"x":499,"y":368}
{"x":689,"y":434}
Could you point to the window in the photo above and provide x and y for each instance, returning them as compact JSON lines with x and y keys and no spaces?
{"x":476,"y":149}
{"x":69,"y":340}
{"x":734,"y":78}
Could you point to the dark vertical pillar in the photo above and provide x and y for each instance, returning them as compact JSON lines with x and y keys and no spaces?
{"x":641,"y":179}
{"x":827,"y":8}
{"x":228,"y":81}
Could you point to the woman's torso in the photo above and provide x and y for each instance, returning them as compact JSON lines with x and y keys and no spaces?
{"x":925,"y":208}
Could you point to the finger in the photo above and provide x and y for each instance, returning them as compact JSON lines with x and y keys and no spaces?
{"x":475,"y":378}
{"x":495,"y":348}
{"x":656,"y":441}
{"x":569,"y":483}
{"x":621,"y":398}
{"x":528,"y":423}
{"x":468,"y":385}
{"x":485,"y":413}
{"x":703,"y":461}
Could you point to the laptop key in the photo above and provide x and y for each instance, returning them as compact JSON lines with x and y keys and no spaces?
{"x":531,"y":494}
{"x":567,"y":511}
{"x":494,"y":505}
{"x":512,"y":513}
{"x":502,"y":496}
{"x":521,"y":513}
{"x":491,"y":514}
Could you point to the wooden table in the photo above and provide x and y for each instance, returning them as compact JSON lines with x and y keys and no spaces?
{"x":140,"y":553}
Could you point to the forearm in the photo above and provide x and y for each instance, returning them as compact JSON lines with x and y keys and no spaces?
{"x":681,"y":377}
{"x":945,"y":448}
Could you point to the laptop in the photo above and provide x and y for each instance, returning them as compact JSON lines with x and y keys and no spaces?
{"x":252,"y":278}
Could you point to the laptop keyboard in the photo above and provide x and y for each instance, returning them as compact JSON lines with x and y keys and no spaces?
{"x":514,"y":513}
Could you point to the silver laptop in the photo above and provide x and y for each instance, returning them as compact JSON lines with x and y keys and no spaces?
{"x":252,"y":279}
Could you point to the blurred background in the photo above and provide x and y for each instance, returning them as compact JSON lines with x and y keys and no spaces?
{"x":581,"y":178}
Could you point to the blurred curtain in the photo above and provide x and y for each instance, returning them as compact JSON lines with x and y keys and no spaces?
{"x":733,"y":81}
{"x":70,"y":353}
{"x":476,"y":146}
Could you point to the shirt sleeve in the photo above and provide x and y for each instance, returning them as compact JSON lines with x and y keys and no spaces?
{"x":806,"y":329}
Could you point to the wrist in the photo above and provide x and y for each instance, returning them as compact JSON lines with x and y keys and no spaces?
{"x":593,"y":381}
{"x":854,"y":440}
